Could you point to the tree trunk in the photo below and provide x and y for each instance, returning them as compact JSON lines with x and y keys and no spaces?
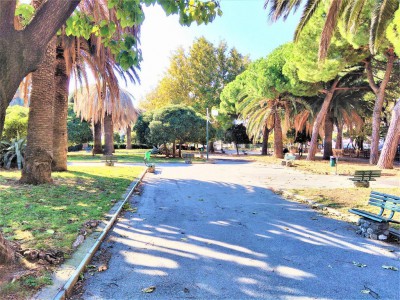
{"x":264,"y":148}
{"x":17,"y":56}
{"x":328,"y":128}
{"x":60,"y":133}
{"x":180,"y":150}
{"x":108,"y":135}
{"x":318,"y":121}
{"x":211,"y":147}
{"x":7,"y":253}
{"x":39,"y":147}
{"x":173,"y":149}
{"x":389,"y":149}
{"x":97,"y":138}
{"x":380,"y":97}
{"x":129,"y":137}
{"x":237,"y":148}
{"x":339,"y":139}
{"x":278,"y":137}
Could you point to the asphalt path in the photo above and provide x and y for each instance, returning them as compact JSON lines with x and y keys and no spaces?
{"x":216,"y":231}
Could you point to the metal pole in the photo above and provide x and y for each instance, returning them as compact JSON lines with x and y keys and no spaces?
{"x":207,"y":133}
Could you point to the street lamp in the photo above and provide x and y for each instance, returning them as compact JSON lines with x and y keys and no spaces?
{"x":214,"y":113}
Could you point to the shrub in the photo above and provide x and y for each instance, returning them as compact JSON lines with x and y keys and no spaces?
{"x":16,"y":122}
{"x":12,"y":153}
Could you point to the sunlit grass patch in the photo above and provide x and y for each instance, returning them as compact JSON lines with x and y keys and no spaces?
{"x":49,"y":216}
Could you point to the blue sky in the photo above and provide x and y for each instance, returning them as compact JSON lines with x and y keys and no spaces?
{"x":243,"y":25}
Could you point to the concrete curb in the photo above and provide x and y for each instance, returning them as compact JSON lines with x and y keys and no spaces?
{"x":68,"y":274}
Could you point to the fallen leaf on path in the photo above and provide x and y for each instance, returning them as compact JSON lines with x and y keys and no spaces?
{"x":184,"y":239}
{"x":390,"y":268}
{"x":102,"y":268}
{"x":370,"y":292}
{"x":314,"y":218}
{"x":149,"y":289}
{"x":360,"y":265}
{"x":186,"y":290}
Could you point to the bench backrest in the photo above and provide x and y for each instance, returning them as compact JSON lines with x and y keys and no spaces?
{"x":385,"y":201}
{"x":367,"y":174}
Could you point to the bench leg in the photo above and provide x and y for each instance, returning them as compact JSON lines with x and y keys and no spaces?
{"x":364,"y":184}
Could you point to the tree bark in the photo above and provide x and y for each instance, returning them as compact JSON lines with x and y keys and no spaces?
{"x":328,"y":128}
{"x":173,"y":149}
{"x":318,"y":121}
{"x":180,"y":150}
{"x":278,"y":137}
{"x":7,"y":254}
{"x":108,"y":135}
{"x":211,"y":147}
{"x":128,"y":137}
{"x":17,"y":56}
{"x":97,"y":138}
{"x":380,"y":97}
{"x":60,"y":133}
{"x":39,"y":147}
{"x":392,"y":140}
{"x":264,"y":148}
{"x":339,"y":139}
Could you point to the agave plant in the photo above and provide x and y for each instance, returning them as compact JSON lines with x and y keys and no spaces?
{"x":12,"y":151}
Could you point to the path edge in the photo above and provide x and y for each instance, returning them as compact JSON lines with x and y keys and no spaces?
{"x":93,"y":242}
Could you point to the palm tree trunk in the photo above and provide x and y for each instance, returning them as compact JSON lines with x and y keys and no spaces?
{"x":7,"y":254}
{"x":129,"y":137}
{"x":318,"y":121}
{"x":264,"y":148}
{"x":108,"y":135}
{"x":39,"y":148}
{"x":97,"y":138}
{"x":339,"y":139}
{"x":278,"y":136}
{"x":380,"y":97}
{"x":392,"y":141}
{"x":328,"y":128}
{"x":60,"y":135}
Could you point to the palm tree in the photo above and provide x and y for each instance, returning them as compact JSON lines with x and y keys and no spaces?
{"x":113,"y":114}
{"x":39,"y":148}
{"x":350,"y":11}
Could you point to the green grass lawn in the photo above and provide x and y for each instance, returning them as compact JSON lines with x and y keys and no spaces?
{"x":49,"y":216}
{"x":124,"y":156}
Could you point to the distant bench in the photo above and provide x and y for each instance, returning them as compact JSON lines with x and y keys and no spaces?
{"x":109,"y":159}
{"x":188,"y":157}
{"x":288,"y":160}
{"x":363,"y":177}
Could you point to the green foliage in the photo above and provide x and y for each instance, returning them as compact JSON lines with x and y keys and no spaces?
{"x":177,"y":123}
{"x":12,"y":153}
{"x":197,"y":77}
{"x":129,"y":13}
{"x":25,"y":12}
{"x":16,"y":123}
{"x":78,"y":131}
{"x":393,"y":32}
{"x":141,"y":128}
{"x":237,"y":134}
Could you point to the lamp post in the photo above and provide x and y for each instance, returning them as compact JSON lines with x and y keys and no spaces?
{"x":214,"y":112}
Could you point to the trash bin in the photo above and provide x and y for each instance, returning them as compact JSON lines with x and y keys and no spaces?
{"x":332,"y":161}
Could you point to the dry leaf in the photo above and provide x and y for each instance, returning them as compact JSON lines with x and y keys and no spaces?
{"x":390,"y":268}
{"x":360,"y":265}
{"x":149,"y":289}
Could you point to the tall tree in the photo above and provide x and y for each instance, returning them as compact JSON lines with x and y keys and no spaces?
{"x":197,"y":77}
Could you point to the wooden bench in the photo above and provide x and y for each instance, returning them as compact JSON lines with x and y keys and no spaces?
{"x":288,"y":160}
{"x":385,"y":202}
{"x":109,"y":159}
{"x":363,"y":177}
{"x":188,"y":157}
